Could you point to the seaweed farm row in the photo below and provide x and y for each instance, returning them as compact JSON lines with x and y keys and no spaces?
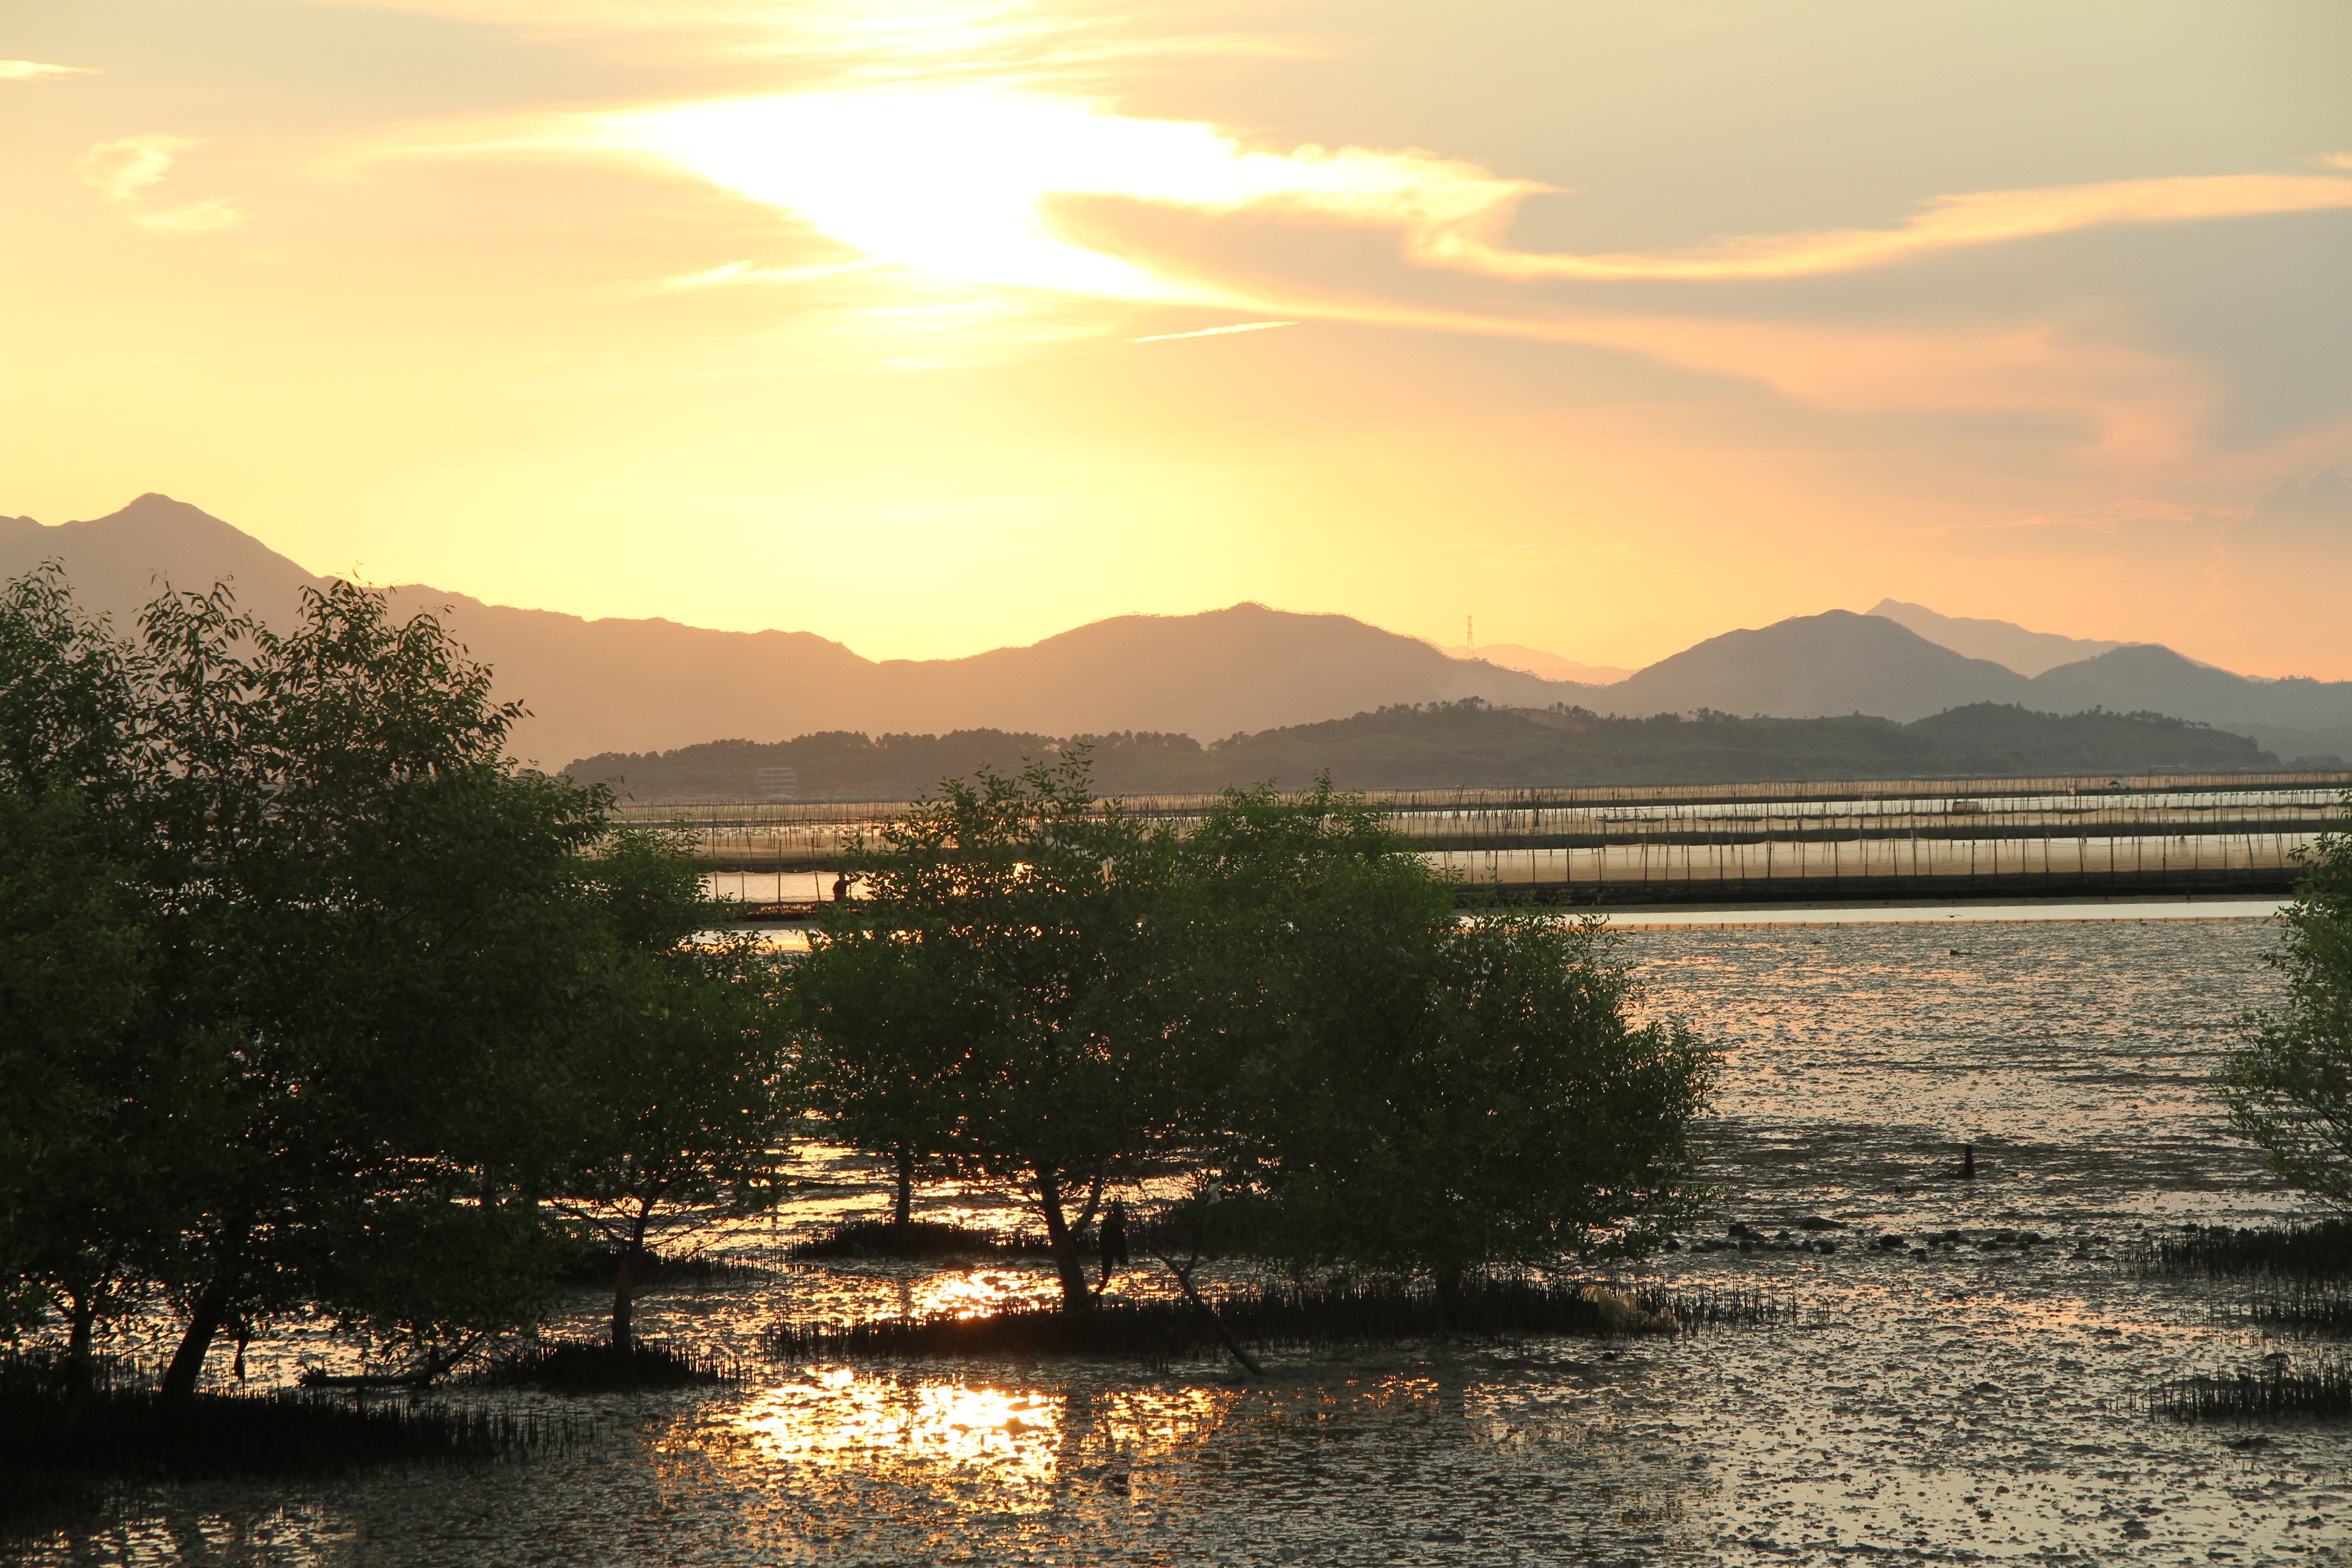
{"x":1860,"y":866}
{"x":2214,"y":833}
{"x":1770,"y":870}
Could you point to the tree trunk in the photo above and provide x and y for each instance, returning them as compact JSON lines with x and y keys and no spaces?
{"x":1076,"y":1296}
{"x":80,"y":1372}
{"x":196,"y":1341}
{"x":212,"y":1307}
{"x":625,"y":1285}
{"x":1216,"y":1324}
{"x":904,"y":1212}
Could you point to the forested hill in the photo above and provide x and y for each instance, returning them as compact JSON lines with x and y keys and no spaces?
{"x":1466,"y":743}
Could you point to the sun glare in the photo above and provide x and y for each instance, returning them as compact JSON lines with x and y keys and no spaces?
{"x":960,"y":180}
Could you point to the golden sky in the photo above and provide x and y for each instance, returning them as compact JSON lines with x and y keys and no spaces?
{"x":931,"y":326}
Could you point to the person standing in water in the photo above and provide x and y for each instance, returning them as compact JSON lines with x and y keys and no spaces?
{"x":1113,"y":1241}
{"x":841,"y":887}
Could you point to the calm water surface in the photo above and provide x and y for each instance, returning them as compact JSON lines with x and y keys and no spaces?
{"x":1979,"y":1406}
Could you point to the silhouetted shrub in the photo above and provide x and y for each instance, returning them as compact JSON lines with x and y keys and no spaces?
{"x":922,"y":1239}
{"x":125,"y":1431}
{"x":600,"y":1267}
{"x":1269,"y":1316}
{"x":596,"y":1366}
{"x":1232,"y":1230}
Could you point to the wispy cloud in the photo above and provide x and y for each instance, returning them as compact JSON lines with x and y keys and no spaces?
{"x":740,"y":273}
{"x":196,"y":217}
{"x":958,"y":145}
{"x":121,"y":170}
{"x":36,"y":71}
{"x":1984,"y":217}
{"x":1213,"y":331}
{"x":127,"y":168}
{"x":963,"y":182}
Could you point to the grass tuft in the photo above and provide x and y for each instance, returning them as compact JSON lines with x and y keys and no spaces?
{"x":2306,"y":1306}
{"x":2321,"y":1251}
{"x":2279,"y":1392}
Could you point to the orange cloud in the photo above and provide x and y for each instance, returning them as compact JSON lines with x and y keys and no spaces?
{"x":2143,"y":408}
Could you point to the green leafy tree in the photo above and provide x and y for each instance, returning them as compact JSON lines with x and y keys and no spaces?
{"x":2289,"y":1088}
{"x":1024,"y":930}
{"x":884,"y":1043}
{"x":1042,"y":992}
{"x":682,"y":1099}
{"x":366,"y":947}
{"x":69,"y":701}
{"x":455,"y":942}
{"x":105,"y":1116}
{"x":1419,"y":1093}
{"x":72,"y":960}
{"x":390,"y":918}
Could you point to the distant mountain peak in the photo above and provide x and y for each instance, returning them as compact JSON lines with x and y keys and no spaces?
{"x":118,"y":563}
{"x":1834,"y":662}
{"x":2003,"y":642}
{"x":1537,"y":662}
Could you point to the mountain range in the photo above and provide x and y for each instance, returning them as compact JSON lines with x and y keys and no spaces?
{"x":641,"y":686}
{"x":1445,"y":745}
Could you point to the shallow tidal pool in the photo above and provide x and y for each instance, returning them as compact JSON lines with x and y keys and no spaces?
{"x":1981,"y":1402}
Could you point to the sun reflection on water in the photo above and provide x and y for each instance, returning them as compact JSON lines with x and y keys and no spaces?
{"x":837,"y":1415}
{"x":979,"y":1443}
{"x":982,"y":1291}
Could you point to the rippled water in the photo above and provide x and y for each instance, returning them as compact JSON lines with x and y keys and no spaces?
{"x":1978,"y":1404}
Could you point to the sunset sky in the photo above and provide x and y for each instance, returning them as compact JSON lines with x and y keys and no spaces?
{"x":931,"y":327}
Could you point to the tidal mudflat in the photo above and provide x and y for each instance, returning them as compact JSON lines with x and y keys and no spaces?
{"x":1969,"y":1397}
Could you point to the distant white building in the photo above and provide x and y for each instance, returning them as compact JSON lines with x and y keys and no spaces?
{"x":776,"y":784}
